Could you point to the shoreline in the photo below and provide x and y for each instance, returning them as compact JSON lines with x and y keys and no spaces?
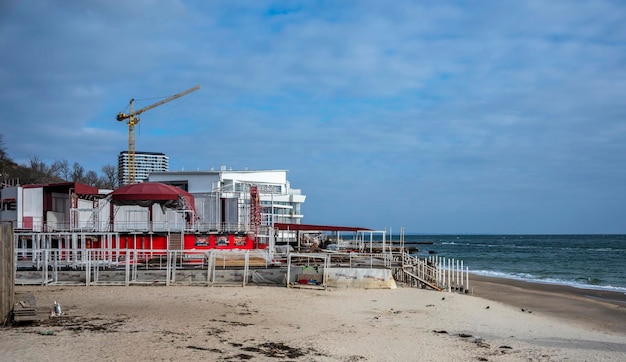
{"x":600,"y":309}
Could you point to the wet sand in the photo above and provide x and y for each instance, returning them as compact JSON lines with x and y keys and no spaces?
{"x":602,"y":310}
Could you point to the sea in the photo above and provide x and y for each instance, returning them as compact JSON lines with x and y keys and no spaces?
{"x":583,"y":261}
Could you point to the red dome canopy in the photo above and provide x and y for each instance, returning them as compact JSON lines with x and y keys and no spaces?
{"x":148,"y":193}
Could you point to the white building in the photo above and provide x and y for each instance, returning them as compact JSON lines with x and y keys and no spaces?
{"x":52,"y":207}
{"x":224,"y":201}
{"x":223,"y":197}
{"x":145,"y":163}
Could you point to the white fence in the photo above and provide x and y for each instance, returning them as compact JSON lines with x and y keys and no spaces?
{"x":119,"y":266}
{"x":436,"y":272}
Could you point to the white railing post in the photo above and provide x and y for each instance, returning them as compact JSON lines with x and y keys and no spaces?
{"x":448,"y":273}
{"x":127,"y":269}
{"x":456,"y":274}
{"x":462,"y":279}
{"x":88,"y":268}
{"x":168,"y":265}
{"x":45,"y":267}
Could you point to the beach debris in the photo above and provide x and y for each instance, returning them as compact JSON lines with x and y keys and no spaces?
{"x":480,"y":342}
{"x":487,"y":307}
{"x":242,"y":357}
{"x":56,"y":311}
{"x":215,"y":350}
{"x":505,"y":347}
{"x":482,"y":359}
{"x":475,"y":339}
{"x":24,"y":308}
{"x":527,"y":310}
{"x":277,"y":350}
{"x":444,"y":298}
{"x":46,"y":333}
{"x":80,"y":324}
{"x":440,"y":331}
{"x":354,"y":358}
{"x":430,"y":305}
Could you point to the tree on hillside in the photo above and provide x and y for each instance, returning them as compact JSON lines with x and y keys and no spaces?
{"x":64,"y":170}
{"x":35,"y":164}
{"x":4,"y":162}
{"x":91,"y":178}
{"x":35,"y":171}
{"x":78,"y":173}
{"x":3,"y":151}
{"x":109,"y":179}
{"x":42,"y":173}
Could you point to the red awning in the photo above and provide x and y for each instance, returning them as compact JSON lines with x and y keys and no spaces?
{"x":148,"y":193}
{"x":310,"y":227}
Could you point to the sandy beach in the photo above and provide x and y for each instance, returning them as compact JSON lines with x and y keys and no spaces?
{"x":500,"y":320}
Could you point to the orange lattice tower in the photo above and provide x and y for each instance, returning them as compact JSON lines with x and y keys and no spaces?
{"x":255,"y":211}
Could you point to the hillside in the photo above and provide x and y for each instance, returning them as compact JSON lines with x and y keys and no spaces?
{"x":10,"y":171}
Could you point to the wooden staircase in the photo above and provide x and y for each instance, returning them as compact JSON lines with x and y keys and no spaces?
{"x":417,"y":272}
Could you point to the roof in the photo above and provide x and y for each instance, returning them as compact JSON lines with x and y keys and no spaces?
{"x":144,"y":153}
{"x":64,"y":187}
{"x":213,"y":172}
{"x":148,"y":193}
{"x":311,"y":227}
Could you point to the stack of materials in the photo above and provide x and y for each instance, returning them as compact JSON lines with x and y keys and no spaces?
{"x":237,"y":258}
{"x":24,"y":308}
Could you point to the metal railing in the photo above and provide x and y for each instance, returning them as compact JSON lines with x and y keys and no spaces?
{"x":132,"y":226}
{"x":113,"y":265}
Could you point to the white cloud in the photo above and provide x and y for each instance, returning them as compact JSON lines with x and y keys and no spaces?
{"x":452,"y":104}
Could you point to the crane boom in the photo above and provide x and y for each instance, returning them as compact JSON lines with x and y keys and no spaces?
{"x":122,"y":116}
{"x":132,"y":118}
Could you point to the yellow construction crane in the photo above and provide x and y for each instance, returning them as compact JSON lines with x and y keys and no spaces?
{"x":132,"y":118}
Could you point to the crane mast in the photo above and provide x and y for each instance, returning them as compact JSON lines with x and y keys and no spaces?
{"x":133,"y":119}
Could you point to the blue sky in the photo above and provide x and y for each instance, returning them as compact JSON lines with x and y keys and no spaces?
{"x":439,"y":117}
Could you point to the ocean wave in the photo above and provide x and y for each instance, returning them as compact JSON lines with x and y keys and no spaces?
{"x":494,"y":245}
{"x":581,"y":283}
{"x":453,"y":243}
{"x":513,"y":246}
{"x":488,"y":245}
{"x":605,"y":249}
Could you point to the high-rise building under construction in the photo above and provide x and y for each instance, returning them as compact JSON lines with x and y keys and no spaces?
{"x":145,"y":163}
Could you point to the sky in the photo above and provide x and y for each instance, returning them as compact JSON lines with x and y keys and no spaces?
{"x":436,"y":117}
